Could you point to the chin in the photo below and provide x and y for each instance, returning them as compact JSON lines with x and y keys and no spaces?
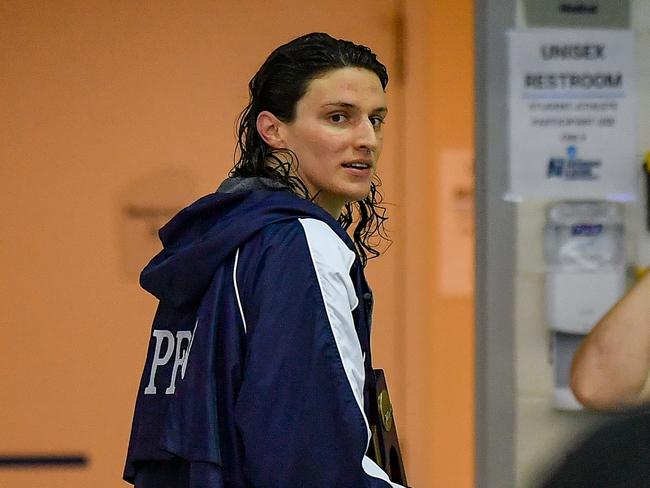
{"x":362,"y":192}
{"x":356,"y":196}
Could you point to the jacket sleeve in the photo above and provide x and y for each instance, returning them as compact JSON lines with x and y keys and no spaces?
{"x":300,"y":409}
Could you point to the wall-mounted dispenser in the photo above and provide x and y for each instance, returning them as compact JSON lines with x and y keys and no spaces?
{"x":585,"y":275}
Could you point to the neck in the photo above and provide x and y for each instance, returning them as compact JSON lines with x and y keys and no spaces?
{"x":331,"y":207}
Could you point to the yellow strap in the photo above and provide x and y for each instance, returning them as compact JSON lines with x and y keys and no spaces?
{"x":640,"y":271}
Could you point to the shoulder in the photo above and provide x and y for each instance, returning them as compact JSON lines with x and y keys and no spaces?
{"x":313,"y":236}
{"x":325,"y":246}
{"x":300,"y":244}
{"x":332,"y":261}
{"x":295,"y":255}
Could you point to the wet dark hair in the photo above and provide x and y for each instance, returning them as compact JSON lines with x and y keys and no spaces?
{"x":277,"y":87}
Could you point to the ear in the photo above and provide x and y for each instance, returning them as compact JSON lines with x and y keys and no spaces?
{"x":268,"y":127}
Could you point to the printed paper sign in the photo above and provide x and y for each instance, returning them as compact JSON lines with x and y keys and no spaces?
{"x":572,"y":100}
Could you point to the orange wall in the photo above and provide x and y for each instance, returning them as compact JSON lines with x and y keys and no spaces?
{"x":438,"y":329}
{"x":118,"y":103}
{"x":453,"y":337}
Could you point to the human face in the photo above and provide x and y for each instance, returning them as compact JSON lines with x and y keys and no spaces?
{"x":337,"y":136}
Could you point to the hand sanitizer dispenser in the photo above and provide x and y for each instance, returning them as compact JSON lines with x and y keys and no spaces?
{"x":585,"y":275}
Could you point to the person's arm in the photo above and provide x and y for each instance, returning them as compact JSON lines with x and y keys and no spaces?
{"x":611,"y":369}
{"x":300,"y":408}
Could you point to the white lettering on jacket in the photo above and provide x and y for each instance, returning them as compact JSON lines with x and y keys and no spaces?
{"x":178,"y":346}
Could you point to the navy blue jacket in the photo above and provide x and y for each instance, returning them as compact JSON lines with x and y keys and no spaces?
{"x":256,"y":370}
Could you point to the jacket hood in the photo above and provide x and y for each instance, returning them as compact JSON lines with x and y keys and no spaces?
{"x":201,"y":236}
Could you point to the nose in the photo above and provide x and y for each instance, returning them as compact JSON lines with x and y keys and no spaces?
{"x":367,"y":138}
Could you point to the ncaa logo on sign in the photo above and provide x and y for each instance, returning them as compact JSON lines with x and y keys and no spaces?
{"x":571,"y":167}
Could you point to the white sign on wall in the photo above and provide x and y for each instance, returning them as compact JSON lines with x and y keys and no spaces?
{"x":572,"y":101}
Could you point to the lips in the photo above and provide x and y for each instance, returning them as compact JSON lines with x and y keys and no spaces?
{"x":358,"y":165}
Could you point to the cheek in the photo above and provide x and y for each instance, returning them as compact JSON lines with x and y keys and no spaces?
{"x":380,"y":143}
{"x":323,"y":146}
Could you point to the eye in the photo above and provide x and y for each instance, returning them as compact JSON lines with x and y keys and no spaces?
{"x":377,"y":121}
{"x":338,"y":118}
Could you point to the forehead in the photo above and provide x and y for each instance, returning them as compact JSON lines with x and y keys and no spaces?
{"x":354,"y":86}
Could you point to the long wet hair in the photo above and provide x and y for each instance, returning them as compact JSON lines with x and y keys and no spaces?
{"x":277,"y":87}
